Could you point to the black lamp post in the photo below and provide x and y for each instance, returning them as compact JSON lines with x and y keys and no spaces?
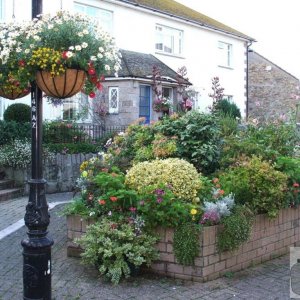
{"x":37,"y":246}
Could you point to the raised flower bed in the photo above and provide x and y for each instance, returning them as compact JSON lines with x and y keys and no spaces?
{"x":269,"y":238}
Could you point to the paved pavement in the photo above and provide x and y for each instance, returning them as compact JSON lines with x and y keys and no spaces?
{"x":73,"y":281}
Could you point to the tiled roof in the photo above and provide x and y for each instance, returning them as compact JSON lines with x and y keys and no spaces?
{"x":140,"y":65}
{"x":175,"y":9}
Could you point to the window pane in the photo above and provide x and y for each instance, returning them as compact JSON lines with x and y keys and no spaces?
{"x":168,"y":40}
{"x":104,"y":17}
{"x":113,"y":100}
{"x":225,"y":54}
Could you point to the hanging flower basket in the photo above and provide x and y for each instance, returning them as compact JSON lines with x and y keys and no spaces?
{"x":62,"y":86}
{"x":13,"y":94}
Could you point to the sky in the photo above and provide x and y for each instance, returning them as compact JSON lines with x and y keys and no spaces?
{"x":274,"y":24}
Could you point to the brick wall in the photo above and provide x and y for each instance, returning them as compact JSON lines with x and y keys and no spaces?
{"x":269,"y":238}
{"x":270,"y":90}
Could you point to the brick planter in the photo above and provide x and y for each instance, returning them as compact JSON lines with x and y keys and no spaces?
{"x":269,"y":239}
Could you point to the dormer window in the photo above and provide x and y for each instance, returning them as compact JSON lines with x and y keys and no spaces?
{"x":168,"y":40}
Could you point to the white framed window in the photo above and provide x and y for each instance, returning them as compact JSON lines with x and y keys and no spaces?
{"x":69,"y":109}
{"x":225,"y":54}
{"x":104,"y":17}
{"x":168,"y":40}
{"x":113,"y":100}
{"x":168,"y":93}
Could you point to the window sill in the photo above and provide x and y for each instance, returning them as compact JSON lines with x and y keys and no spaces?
{"x":225,"y":67}
{"x":170,"y":54}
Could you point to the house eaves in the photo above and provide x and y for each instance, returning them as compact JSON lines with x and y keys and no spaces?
{"x":174,"y":9}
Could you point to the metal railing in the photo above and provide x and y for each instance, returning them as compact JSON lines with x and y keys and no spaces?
{"x":80,"y":133}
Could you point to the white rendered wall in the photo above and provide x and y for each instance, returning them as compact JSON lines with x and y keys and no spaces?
{"x":134,"y":29}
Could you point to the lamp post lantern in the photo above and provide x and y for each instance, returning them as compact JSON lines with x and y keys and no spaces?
{"x":37,"y":246}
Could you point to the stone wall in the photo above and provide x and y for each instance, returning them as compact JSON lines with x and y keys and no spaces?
{"x":270,"y":89}
{"x":269,"y":238}
{"x":60,"y":172}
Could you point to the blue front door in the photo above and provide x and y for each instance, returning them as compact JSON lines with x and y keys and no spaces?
{"x":145,"y":103}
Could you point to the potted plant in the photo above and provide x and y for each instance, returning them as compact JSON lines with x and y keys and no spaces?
{"x":14,"y":78}
{"x":162,"y":104}
{"x":69,"y":53}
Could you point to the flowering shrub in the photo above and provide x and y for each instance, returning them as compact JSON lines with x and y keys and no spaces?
{"x":179,"y":175}
{"x":17,"y":154}
{"x":257,"y":184}
{"x":67,"y":40}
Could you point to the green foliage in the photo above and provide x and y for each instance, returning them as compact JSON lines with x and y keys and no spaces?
{"x":236,"y":229}
{"x":227,"y":108}
{"x":267,"y":140}
{"x":159,"y":207}
{"x":112,"y":247}
{"x":198,"y":139}
{"x":17,"y":112}
{"x":76,"y":207}
{"x":61,"y":132}
{"x":186,"y":243}
{"x":257,"y":184}
{"x":12,"y":130}
{"x":181,"y":176}
{"x":228,"y":125}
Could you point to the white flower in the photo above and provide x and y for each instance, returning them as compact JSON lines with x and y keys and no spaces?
{"x":69,"y":54}
{"x":27,"y":51}
{"x":18,"y":50}
{"x":101,"y":49}
{"x":80,"y":34}
{"x":71,"y":48}
{"x":85,"y":31}
{"x":78,"y":47}
{"x":93,"y":58}
{"x":50,"y":26}
{"x":99,"y":55}
{"x":84,"y":45}
{"x":107,"y":67}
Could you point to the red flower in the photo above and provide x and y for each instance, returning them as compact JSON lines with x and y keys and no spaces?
{"x":92,"y":95}
{"x":113,"y":226}
{"x":102,"y":78}
{"x":221,"y":192}
{"x":215,"y":180}
{"x":91,"y":71}
{"x":90,"y":197}
{"x":64,"y":55}
{"x":113,"y":198}
{"x":22,"y":63}
{"x":94,"y":79}
{"x":99,"y":86}
{"x":296,"y":184}
{"x":101,"y":202}
{"x":132,"y":209}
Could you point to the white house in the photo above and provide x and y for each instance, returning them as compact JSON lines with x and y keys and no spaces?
{"x":175,"y":34}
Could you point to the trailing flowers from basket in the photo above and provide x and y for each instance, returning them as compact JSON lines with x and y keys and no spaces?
{"x":14,"y":78}
{"x":66,"y":53}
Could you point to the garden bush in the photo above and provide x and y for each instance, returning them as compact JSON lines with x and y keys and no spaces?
{"x":227,"y":108}
{"x":198,"y":139}
{"x":10,"y":131}
{"x":179,"y":175}
{"x":18,"y":112}
{"x":266,"y":140}
{"x":257,"y":184}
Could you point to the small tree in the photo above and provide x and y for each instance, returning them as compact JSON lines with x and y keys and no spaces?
{"x":18,"y":112}
{"x":217,"y":94}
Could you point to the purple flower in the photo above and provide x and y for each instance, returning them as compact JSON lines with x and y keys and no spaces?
{"x":159,"y":192}
{"x":159,"y":200}
{"x":210,"y":217}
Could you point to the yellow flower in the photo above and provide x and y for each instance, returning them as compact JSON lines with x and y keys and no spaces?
{"x":84,"y":174}
{"x":193,"y":211}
